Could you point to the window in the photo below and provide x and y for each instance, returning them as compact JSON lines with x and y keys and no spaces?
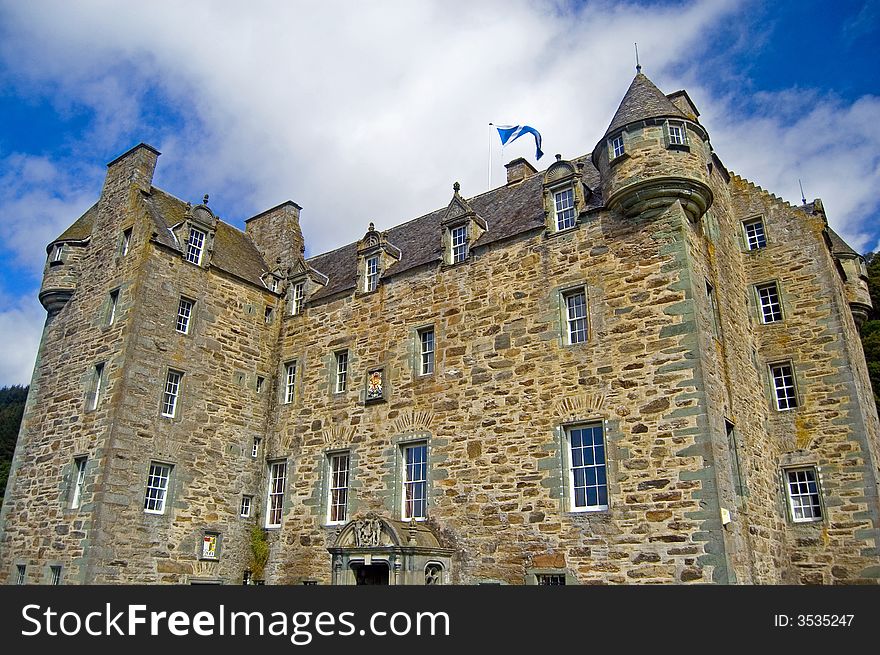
{"x":564,"y":204}
{"x":676,"y":133}
{"x":713,"y":307}
{"x":245,"y":510}
{"x":274,"y":283}
{"x":126,"y":242}
{"x":184,"y":311}
{"x":733,"y":447}
{"x":803,"y":495}
{"x":246,"y":578}
{"x":459,"y":242}
{"x":157,"y":488}
{"x":56,"y":574}
{"x":260,"y":382}
{"x":20,"y":573}
{"x":617,"y":146}
{"x":79,"y":470}
{"x":194,"y":246}
{"x":768,"y":297}
{"x":754,"y":232}
{"x":56,"y":254}
{"x":111,"y":306}
{"x":783,"y":386}
{"x":588,"y":484}
{"x":371,"y":273}
{"x":337,"y":499}
{"x":275,"y":499}
{"x":415,"y":481}
{"x":268,"y":314}
{"x":296,"y":305}
{"x":289,"y":381}
{"x":576,"y":316}
{"x":550,"y":579}
{"x":211,"y":545}
{"x":169,"y":397}
{"x":433,"y":574}
{"x":256,"y":447}
{"x":97,"y":382}
{"x":341,"y":371}
{"x":426,"y":341}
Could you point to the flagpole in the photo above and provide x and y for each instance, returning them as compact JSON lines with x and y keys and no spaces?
{"x":489,"y":168}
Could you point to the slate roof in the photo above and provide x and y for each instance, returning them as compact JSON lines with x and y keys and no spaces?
{"x":642,"y":100}
{"x":839,"y":246}
{"x":81,"y":228}
{"x":508,"y":211}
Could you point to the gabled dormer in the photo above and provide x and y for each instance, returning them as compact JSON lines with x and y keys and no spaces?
{"x":564,"y":195}
{"x":195,"y":234}
{"x":303,"y":282}
{"x":375,"y":256}
{"x":461,"y":228}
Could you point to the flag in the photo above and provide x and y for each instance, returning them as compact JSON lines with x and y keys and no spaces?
{"x":510,"y":133}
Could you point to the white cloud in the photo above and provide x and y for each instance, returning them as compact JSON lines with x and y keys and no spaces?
{"x":21,"y":327}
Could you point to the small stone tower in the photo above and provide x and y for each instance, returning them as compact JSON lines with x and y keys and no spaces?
{"x":653,"y":154}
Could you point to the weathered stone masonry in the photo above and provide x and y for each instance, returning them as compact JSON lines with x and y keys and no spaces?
{"x":675,"y":368}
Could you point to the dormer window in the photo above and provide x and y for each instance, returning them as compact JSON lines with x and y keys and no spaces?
{"x":676,"y":134}
{"x":195,"y":245}
{"x":371,"y":273}
{"x":459,"y":243}
{"x":297,"y":298}
{"x":563,"y":202}
{"x":617,"y":147}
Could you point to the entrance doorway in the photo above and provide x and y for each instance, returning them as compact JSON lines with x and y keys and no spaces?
{"x":370,"y":574}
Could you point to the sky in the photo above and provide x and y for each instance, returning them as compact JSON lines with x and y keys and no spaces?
{"x":369,"y":111}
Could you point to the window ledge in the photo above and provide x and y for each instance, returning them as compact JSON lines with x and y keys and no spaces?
{"x":619,"y":159}
{"x":679,"y":146}
{"x":446,"y":265}
{"x":57,"y":263}
{"x":552,"y":232}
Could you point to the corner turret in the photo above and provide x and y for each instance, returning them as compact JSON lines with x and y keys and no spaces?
{"x":653,"y":154}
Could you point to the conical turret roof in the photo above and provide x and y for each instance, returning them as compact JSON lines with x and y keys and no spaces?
{"x":643,"y":100}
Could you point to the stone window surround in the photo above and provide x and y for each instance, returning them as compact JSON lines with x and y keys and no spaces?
{"x":774,"y":399}
{"x":169,"y":479}
{"x":77,"y":478}
{"x":288,"y":386}
{"x":112,"y":307}
{"x":178,"y":396}
{"x":18,"y":575}
{"x":667,"y":135}
{"x":531,"y":577}
{"x":54,"y":573}
{"x":745,"y":242}
{"x":185,"y":314}
{"x":194,"y":252}
{"x":801,"y":460}
{"x":562,"y":439}
{"x":563,"y":294}
{"x":125,"y":241}
{"x":612,"y":147}
{"x":96,"y":384}
{"x":451,"y":230}
{"x":270,"y":468}
{"x":246,"y":506}
{"x":556,"y":190}
{"x":297,"y":296}
{"x":426,"y":366}
{"x":760,"y":307}
{"x":341,"y":372}
{"x":400,"y":444}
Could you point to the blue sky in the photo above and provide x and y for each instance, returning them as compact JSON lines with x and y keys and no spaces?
{"x":367,"y":112}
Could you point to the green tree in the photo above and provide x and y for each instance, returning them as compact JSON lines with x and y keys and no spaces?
{"x":871,"y":328}
{"x":12,"y":401}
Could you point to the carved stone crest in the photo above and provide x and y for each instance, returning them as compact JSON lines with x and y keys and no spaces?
{"x":368,"y":532}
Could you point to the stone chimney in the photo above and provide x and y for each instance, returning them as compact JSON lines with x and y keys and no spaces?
{"x":518,"y":170}
{"x":133,"y":168}
{"x":277,"y":235}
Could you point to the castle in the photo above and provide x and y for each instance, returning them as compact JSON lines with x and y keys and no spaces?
{"x":634,"y":366}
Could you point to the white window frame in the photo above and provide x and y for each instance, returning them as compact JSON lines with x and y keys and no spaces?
{"x":577,"y":325}
{"x":94,"y":398}
{"x":277,"y":480}
{"x":550,"y":579}
{"x":111,"y":313}
{"x":156,"y":492}
{"x":339,"y":475}
{"x":297,"y":294}
{"x":244,"y":509}
{"x":758,"y":239}
{"x":617,"y":146}
{"x":289,"y":382}
{"x":564,"y":213}
{"x":769,"y":303}
{"x":55,"y":572}
{"x":804,"y":494}
{"x":371,"y":273}
{"x":171,"y":393}
{"x":427,"y":350}
{"x":20,"y":574}
{"x":126,"y":242}
{"x":341,"y":382}
{"x":784,"y":385}
{"x":79,"y":472}
{"x":195,"y":246}
{"x":57,"y":253}
{"x":414,"y":481}
{"x":185,"y":308}
{"x":581,"y":461}
{"x":678,"y":138}
{"x":255,"y":449}
{"x":458,"y":242}
{"x":268,"y":314}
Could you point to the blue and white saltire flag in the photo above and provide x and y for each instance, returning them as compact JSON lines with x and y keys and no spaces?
{"x":510,"y":133}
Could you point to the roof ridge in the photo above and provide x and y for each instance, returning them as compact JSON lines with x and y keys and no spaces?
{"x":641,"y":101}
